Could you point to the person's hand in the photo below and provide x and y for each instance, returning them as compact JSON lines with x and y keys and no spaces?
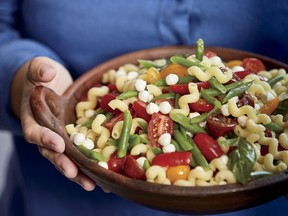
{"x":47,"y":72}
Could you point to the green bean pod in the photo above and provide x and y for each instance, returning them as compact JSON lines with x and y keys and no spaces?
{"x":237,"y":91}
{"x":147,"y":64}
{"x":170,"y":95}
{"x":93,"y":155}
{"x":200,"y":49}
{"x":125,"y":134}
{"x":198,"y":156}
{"x":210,"y":99}
{"x":185,"y":122}
{"x":128,"y":94}
{"x":217,"y":85}
{"x":274,"y":127}
{"x":187,"y":63}
{"x":183,"y":142}
{"x":274,"y":80}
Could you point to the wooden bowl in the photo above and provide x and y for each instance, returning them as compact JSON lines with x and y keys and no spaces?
{"x":54,"y":112}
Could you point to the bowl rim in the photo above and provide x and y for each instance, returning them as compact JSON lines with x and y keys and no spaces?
{"x":104,"y":176}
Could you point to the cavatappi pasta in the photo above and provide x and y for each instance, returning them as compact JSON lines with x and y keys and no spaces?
{"x":204,"y":122}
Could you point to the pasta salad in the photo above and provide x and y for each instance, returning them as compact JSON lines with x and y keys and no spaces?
{"x":188,"y":121}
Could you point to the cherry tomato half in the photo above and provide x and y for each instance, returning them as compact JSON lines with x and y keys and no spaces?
{"x":177,"y":172}
{"x":172,"y":159}
{"x":219,"y":125}
{"x":173,"y":69}
{"x":140,"y":109}
{"x":201,"y":106}
{"x":208,"y":146}
{"x":152,"y":75}
{"x":158,"y":125}
{"x":116,"y":164}
{"x":210,"y":54}
{"x":105,"y":101}
{"x":111,"y":122}
{"x":253,"y":64}
{"x":183,"y":88}
{"x":245,"y":99}
{"x":132,"y":169}
{"x":270,"y":106}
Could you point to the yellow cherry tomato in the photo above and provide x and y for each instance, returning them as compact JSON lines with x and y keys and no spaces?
{"x":152,"y":75}
{"x":177,"y":172}
{"x":173,"y":69}
{"x":233,"y":63}
{"x":270,"y":106}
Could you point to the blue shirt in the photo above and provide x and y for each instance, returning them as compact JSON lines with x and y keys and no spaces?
{"x":82,"y":34}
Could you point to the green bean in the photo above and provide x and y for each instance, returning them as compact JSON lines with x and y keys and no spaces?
{"x":183,"y":142}
{"x":203,"y":116}
{"x":237,"y":91}
{"x":217,"y":85}
{"x":177,"y":96}
{"x":210,"y":99}
{"x":134,"y":139}
{"x":187,"y":62}
{"x":128,"y":94}
{"x":160,"y":83}
{"x":143,"y":125}
{"x":112,"y":142}
{"x":124,"y":136}
{"x":200,"y":49}
{"x":212,"y":92}
{"x":143,"y":140}
{"x":185,"y":122}
{"x":93,"y":155}
{"x":199,"y":157}
{"x":156,"y":150}
{"x":88,"y":123}
{"x":176,"y":144}
{"x":147,"y":64}
{"x":274,"y":127}
{"x":260,"y":174}
{"x":146,"y":164}
{"x":170,"y":95}
{"x":274,"y":80}
{"x":233,"y":85}
{"x":186,"y":79}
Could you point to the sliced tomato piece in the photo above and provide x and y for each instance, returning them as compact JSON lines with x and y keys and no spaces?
{"x":105,"y":101}
{"x":175,"y":173}
{"x":270,"y":106}
{"x":110,"y":123}
{"x":172,"y":159}
{"x":208,"y":146}
{"x":152,"y":75}
{"x":140,"y":109}
{"x":132,"y":169}
{"x":173,"y":69}
{"x":183,"y":88}
{"x":253,"y":64}
{"x":201,"y":106}
{"x":219,"y":125}
{"x":158,"y":125}
{"x":245,"y":99}
{"x":116,"y":164}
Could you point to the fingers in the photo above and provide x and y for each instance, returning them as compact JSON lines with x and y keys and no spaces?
{"x":68,"y":168}
{"x":41,"y":69}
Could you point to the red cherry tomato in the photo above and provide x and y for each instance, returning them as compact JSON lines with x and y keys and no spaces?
{"x":158,"y":125}
{"x":201,"y":106}
{"x":105,"y":101}
{"x":172,"y":159}
{"x":110,"y":123}
{"x":183,"y":88}
{"x":132,"y":169}
{"x":208,"y":146}
{"x":140,"y":109}
{"x":116,"y":164}
{"x":219,"y":125}
{"x":253,"y":64}
{"x":243,"y":74}
{"x":245,"y":99}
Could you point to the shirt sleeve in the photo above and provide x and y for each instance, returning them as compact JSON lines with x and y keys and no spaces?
{"x":15,"y":50}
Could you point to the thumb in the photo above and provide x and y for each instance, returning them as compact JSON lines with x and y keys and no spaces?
{"x":41,"y":69}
